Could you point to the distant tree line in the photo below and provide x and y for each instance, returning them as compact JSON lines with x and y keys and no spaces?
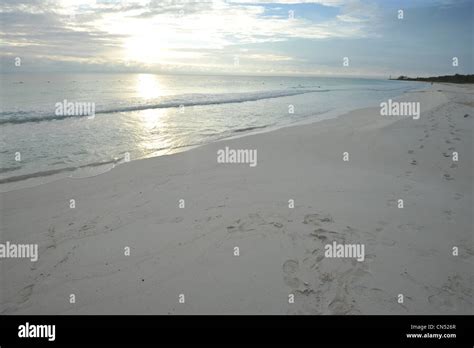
{"x":447,"y":78}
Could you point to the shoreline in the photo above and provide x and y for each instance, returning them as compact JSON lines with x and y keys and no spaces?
{"x":191,"y":250}
{"x":35,"y":179}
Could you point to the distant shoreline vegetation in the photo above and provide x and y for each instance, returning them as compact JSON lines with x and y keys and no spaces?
{"x":446,"y":78}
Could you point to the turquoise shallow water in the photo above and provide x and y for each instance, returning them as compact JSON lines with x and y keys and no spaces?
{"x":143,"y":115}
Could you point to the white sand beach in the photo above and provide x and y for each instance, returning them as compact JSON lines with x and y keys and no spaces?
{"x":190,"y":250}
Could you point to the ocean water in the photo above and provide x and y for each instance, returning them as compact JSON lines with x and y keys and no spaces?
{"x":145,"y":115}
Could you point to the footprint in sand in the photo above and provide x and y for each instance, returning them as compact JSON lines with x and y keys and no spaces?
{"x":290,"y":266}
{"x":453,"y":295}
{"x":466,"y":249}
{"x":292,"y":282}
{"x":350,"y":230}
{"x":340,"y":306}
{"x":441,"y":301}
{"x":414,"y":162}
{"x":252,"y":223}
{"x":315,"y":219}
{"x":448,"y":177}
{"x":458,"y":196}
{"x":25,"y":293}
{"x":449,"y":214}
{"x":311,"y":219}
{"x":321,"y":237}
{"x":410,"y":151}
{"x":322,"y":234}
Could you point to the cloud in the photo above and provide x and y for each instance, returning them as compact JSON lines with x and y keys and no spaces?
{"x":124,"y":33}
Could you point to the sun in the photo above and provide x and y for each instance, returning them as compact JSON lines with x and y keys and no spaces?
{"x":145,"y":48}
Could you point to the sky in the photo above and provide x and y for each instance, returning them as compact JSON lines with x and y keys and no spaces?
{"x":373,"y":37}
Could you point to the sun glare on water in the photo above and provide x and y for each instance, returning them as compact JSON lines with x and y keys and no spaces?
{"x":147,"y":86}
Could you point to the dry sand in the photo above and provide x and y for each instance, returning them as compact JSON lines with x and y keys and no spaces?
{"x":190,"y":251}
